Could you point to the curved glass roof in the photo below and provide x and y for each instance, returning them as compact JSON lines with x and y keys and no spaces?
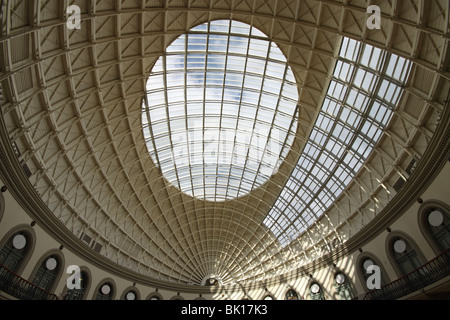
{"x":366,"y":86}
{"x":69,"y":117}
{"x":219,"y":115}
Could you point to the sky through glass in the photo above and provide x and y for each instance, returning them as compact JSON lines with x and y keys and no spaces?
{"x":364,"y":91}
{"x":219,"y":115}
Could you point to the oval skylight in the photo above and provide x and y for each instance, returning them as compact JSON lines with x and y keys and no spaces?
{"x":219,"y":114}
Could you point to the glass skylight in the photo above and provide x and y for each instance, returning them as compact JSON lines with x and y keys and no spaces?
{"x":366,"y":86}
{"x":219,"y":114}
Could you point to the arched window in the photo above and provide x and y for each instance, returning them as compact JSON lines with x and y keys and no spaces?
{"x":14,"y":250}
{"x":269,"y":297}
{"x":367,"y":263}
{"x":212,"y":282}
{"x":155,"y":296}
{"x":105,"y":292}
{"x":316,"y":292}
{"x":78,"y":293}
{"x":291,"y":294}
{"x":364,"y":262}
{"x":434,"y":221}
{"x":405,"y":256}
{"x":47,"y":272}
{"x":439,"y":225}
{"x":343,"y":288}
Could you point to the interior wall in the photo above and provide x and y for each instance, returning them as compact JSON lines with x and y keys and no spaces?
{"x":14,"y":217}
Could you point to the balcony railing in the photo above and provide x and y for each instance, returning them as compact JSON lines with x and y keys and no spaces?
{"x":431,"y":272}
{"x":20,"y":288}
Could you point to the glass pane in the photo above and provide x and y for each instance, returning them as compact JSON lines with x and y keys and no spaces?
{"x":347,"y":129}
{"x":217,"y":103}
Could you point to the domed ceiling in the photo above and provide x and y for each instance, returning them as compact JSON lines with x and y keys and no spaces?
{"x":321,"y":122}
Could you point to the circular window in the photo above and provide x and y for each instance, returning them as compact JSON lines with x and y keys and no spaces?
{"x":435,"y":218}
{"x":19,"y":242}
{"x":219,"y":114}
{"x":51,"y":264}
{"x":315,"y":288}
{"x":400,"y":246}
{"x":106,"y":289}
{"x":340,"y":278}
{"x":131,"y":296}
{"x":367,"y":264}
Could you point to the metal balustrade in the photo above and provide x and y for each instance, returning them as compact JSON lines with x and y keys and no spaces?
{"x":431,"y":272}
{"x":20,"y":288}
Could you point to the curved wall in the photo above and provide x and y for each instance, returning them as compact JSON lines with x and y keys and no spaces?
{"x":14,"y":218}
